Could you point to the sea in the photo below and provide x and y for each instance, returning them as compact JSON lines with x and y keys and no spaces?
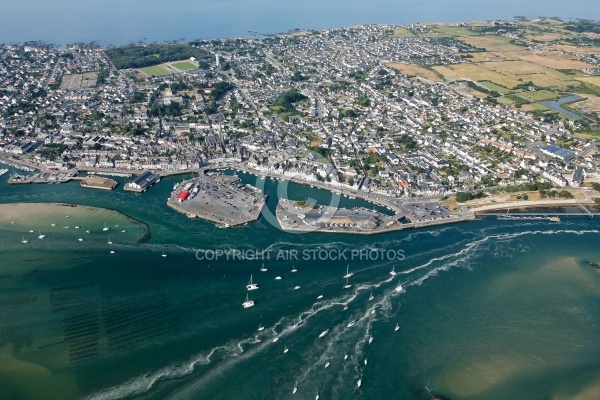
{"x":484,"y":310}
{"x":112,"y":22}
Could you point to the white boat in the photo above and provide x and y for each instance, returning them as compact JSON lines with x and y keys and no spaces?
{"x":554,"y":219}
{"x":112,"y":252}
{"x":76,"y":227}
{"x":110,"y":241}
{"x":347,"y":285}
{"x":348,"y":274}
{"x":373,"y":312}
{"x":66,"y":227}
{"x":295,"y":390}
{"x":105,"y":227}
{"x":345,"y":356}
{"x":366,"y":362}
{"x":277,"y":278}
{"x":327,"y":365}
{"x":296,"y":287}
{"x":359,"y":383}
{"x":285,"y":350}
{"x":397,"y":327}
{"x":23,"y":240}
{"x":294,"y":269}
{"x":80,"y":239}
{"x":393,"y":272}
{"x":163,"y":254}
{"x":324,"y":333}
{"x":317,"y":396}
{"x":371,"y":297}
{"x":251,"y":286}
{"x":345,"y":307}
{"x":53,"y":224}
{"x":88,"y":231}
{"x":31,"y":231}
{"x":123,"y":231}
{"x":41,"y":236}
{"x":68,"y":216}
{"x":351,"y":323}
{"x":260,"y":327}
{"x":399,"y":288}
{"x":275,"y":339}
{"x":247,"y":303}
{"x":296,"y":324}
{"x":319,"y":297}
{"x":263,"y":269}
{"x":370,"y":339}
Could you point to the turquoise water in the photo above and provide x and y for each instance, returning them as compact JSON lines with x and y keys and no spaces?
{"x":120,"y":22}
{"x":490,"y":309}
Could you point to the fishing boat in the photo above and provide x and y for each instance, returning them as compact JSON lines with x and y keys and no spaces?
{"x":324,"y":333}
{"x":247,"y":303}
{"x":393,"y":272}
{"x":397,"y":327}
{"x":347,"y":285}
{"x":263,"y":268}
{"x":348,"y":273}
{"x":251,"y":286}
{"x":371,"y":297}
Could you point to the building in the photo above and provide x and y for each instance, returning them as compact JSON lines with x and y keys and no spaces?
{"x":142,"y":182}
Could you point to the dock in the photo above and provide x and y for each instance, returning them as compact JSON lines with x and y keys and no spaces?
{"x":142,"y":182}
{"x":42,"y":177}
{"x":221,"y":199}
{"x":97,"y":182}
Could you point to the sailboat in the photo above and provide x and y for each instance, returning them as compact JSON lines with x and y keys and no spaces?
{"x":23,"y":240}
{"x":370,"y":339}
{"x":399,"y":288}
{"x":251,"y":286}
{"x":260,"y":328}
{"x":393,"y":272}
{"x":371,"y":297}
{"x":285,"y":350}
{"x":41,"y":236}
{"x":348,"y":274}
{"x":295,"y":390}
{"x":347,"y":285}
{"x":105,"y":227}
{"x":296,"y":324}
{"x":80,"y":239}
{"x":359,"y":383}
{"x":247,"y":303}
{"x":397,"y":327}
{"x":109,"y":241}
{"x":351,"y":323}
{"x":263,"y":268}
{"x":294,"y":269}
{"x":163,"y":254}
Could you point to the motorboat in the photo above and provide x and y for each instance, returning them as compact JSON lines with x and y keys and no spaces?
{"x":296,"y":287}
{"x":370,"y":339}
{"x":396,"y":328}
{"x":348,"y":273}
{"x":327,"y":364}
{"x":277,"y":278}
{"x":319,"y":297}
{"x":260,"y":328}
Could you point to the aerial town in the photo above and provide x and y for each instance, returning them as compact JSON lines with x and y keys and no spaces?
{"x":334,"y":108}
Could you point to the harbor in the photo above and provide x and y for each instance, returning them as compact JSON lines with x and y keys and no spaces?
{"x":221,"y":199}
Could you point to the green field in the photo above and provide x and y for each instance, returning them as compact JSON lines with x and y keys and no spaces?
{"x":540,"y":95}
{"x":493,"y":86}
{"x":184,"y":65}
{"x":456,"y":31}
{"x":156,"y":70}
